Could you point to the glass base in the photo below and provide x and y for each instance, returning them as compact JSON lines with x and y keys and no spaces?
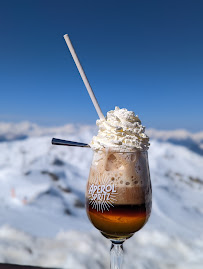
{"x":117,"y":237}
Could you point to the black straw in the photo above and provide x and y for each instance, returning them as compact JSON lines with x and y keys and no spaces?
{"x":56,"y":141}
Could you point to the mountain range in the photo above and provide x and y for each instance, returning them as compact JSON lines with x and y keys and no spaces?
{"x":42,"y":204}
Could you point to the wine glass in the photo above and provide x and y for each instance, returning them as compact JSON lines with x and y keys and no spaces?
{"x":118,"y":196}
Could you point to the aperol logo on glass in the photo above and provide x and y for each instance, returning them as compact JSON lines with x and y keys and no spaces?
{"x":102,"y":194}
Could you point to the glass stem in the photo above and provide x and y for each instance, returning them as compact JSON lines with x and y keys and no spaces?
{"x":116,"y":254}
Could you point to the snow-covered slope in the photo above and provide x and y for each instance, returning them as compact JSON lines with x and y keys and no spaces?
{"x":43,"y":220}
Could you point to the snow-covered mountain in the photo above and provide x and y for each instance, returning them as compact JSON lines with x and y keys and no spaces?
{"x":19,"y":131}
{"x":193,"y":141}
{"x":43,"y":219}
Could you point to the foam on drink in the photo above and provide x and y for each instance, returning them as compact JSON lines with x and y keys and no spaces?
{"x":121,"y":131}
{"x":127,"y":172}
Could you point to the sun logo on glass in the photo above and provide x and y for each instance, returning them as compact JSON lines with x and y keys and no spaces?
{"x":102,"y":193}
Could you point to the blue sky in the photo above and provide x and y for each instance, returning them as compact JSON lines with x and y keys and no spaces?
{"x":146,"y":56}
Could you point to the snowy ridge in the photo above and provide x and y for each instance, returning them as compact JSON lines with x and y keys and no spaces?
{"x":22,"y":130}
{"x":193,"y":141}
{"x":43,"y":219}
{"x":176,"y":134}
{"x":18,"y":131}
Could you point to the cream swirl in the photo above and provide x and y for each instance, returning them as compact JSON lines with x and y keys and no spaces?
{"x":120,"y":130}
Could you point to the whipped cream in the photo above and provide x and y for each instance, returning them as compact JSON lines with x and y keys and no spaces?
{"x":121,"y":130}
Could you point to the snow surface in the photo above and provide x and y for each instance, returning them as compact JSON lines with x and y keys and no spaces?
{"x":43,"y":220}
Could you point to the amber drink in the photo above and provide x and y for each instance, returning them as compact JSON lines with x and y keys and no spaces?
{"x":118,"y":195}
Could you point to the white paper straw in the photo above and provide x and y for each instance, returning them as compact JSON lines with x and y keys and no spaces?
{"x":84,"y":78}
